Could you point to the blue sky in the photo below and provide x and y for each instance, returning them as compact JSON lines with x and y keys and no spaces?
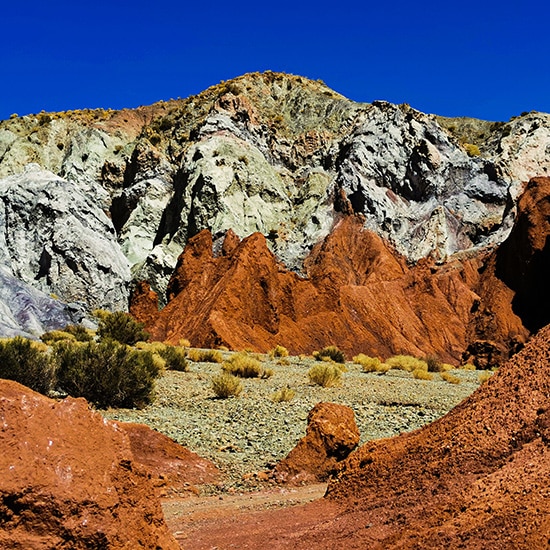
{"x":484,"y":59}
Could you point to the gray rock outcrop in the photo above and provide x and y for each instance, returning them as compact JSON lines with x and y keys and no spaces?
{"x":273,"y":153}
{"x":57,"y":240}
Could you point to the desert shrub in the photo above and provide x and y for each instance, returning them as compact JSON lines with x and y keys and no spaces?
{"x":406,"y":363}
{"x":434,"y":364}
{"x":283,"y":395}
{"x":326,"y":375}
{"x":175,"y":358}
{"x":472,"y":150}
{"x":278,"y":351}
{"x":445,"y":367}
{"x":122,"y":327}
{"x":368,"y":364}
{"x":225,"y":385}
{"x":153,"y":347}
{"x":330,"y":352}
{"x":108,"y":374}
{"x":82,"y":334}
{"x":451,"y":378}
{"x":184,"y":343}
{"x":25,"y":362}
{"x":284,"y":362}
{"x":205,"y":356}
{"x":422,"y":374}
{"x":55,"y":336}
{"x":245,"y":366}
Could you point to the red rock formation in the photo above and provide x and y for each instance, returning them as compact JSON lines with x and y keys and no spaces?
{"x":68,"y":479}
{"x":362,"y":296}
{"x":173,"y":468}
{"x":331,"y":435}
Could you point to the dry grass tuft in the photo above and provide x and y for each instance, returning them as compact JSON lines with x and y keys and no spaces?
{"x":225,"y":385}
{"x":406,"y":363}
{"x":484,"y":376}
{"x":278,"y":351}
{"x":283,"y":395}
{"x":451,"y":378}
{"x":368,"y":364}
{"x":422,"y":374}
{"x":205,"y":355}
{"x":326,"y":375}
{"x":245,"y":366}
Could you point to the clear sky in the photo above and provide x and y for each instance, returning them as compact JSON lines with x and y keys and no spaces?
{"x":485,"y":59}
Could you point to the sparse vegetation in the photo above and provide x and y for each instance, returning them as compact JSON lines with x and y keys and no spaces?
{"x":325,"y":375}
{"x":331,"y":353}
{"x":434,"y":364}
{"x":26,"y":362}
{"x":205,"y":356}
{"x":225,"y":385}
{"x":278,"y":351}
{"x":55,"y":336}
{"x":108,"y":374}
{"x":245,"y":366}
{"x":174,"y":358}
{"x":406,"y":363}
{"x":283,"y":395}
{"x":422,"y":374}
{"x":451,"y":378}
{"x":368,"y":364}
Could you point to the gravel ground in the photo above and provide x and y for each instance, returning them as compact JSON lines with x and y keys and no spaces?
{"x":250,"y":433}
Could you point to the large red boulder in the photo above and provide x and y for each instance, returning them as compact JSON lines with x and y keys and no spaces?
{"x":331,"y":435}
{"x":68,"y":479}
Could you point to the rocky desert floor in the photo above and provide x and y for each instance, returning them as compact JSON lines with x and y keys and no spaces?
{"x":249,"y":434}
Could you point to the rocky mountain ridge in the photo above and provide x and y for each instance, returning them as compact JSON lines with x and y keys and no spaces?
{"x":269,"y":153}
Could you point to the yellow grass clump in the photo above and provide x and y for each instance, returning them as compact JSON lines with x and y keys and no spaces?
{"x":205,"y":355}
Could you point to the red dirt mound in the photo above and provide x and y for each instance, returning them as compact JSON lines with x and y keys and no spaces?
{"x":68,"y":479}
{"x":174,"y":469}
{"x":331,"y":435}
{"x":478,"y":478}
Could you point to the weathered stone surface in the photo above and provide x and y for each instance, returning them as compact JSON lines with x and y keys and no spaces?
{"x":69,"y":480}
{"x":56,"y":239}
{"x":331,"y":435}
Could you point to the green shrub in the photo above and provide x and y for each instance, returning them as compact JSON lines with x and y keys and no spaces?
{"x":175,"y":358}
{"x":283,"y":395}
{"x":107,"y":374}
{"x":244,"y":366}
{"x":80,"y":333}
{"x":25,"y":362}
{"x":121,"y":327}
{"x":205,"y":356}
{"x":330,"y":352}
{"x":225,"y":385}
{"x":406,"y":363}
{"x":55,"y":336}
{"x":325,"y":375}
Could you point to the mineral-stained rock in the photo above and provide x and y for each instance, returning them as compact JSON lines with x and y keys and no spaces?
{"x":69,"y":480}
{"x":331,"y":435}
{"x":56,"y":239}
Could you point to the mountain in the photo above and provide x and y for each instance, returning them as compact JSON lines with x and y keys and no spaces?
{"x":103,"y":203}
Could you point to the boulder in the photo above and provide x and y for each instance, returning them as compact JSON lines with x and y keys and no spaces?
{"x":331,"y":435}
{"x":69,"y":479}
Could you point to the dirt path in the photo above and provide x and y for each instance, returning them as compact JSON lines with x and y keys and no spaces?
{"x":201,"y":523}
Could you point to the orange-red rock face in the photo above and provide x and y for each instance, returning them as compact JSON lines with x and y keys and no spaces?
{"x":361,"y":295}
{"x":68,"y":479}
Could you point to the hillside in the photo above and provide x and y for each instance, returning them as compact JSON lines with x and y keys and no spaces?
{"x":112,"y":198}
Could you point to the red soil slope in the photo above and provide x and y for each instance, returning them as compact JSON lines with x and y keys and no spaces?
{"x":68,"y":479}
